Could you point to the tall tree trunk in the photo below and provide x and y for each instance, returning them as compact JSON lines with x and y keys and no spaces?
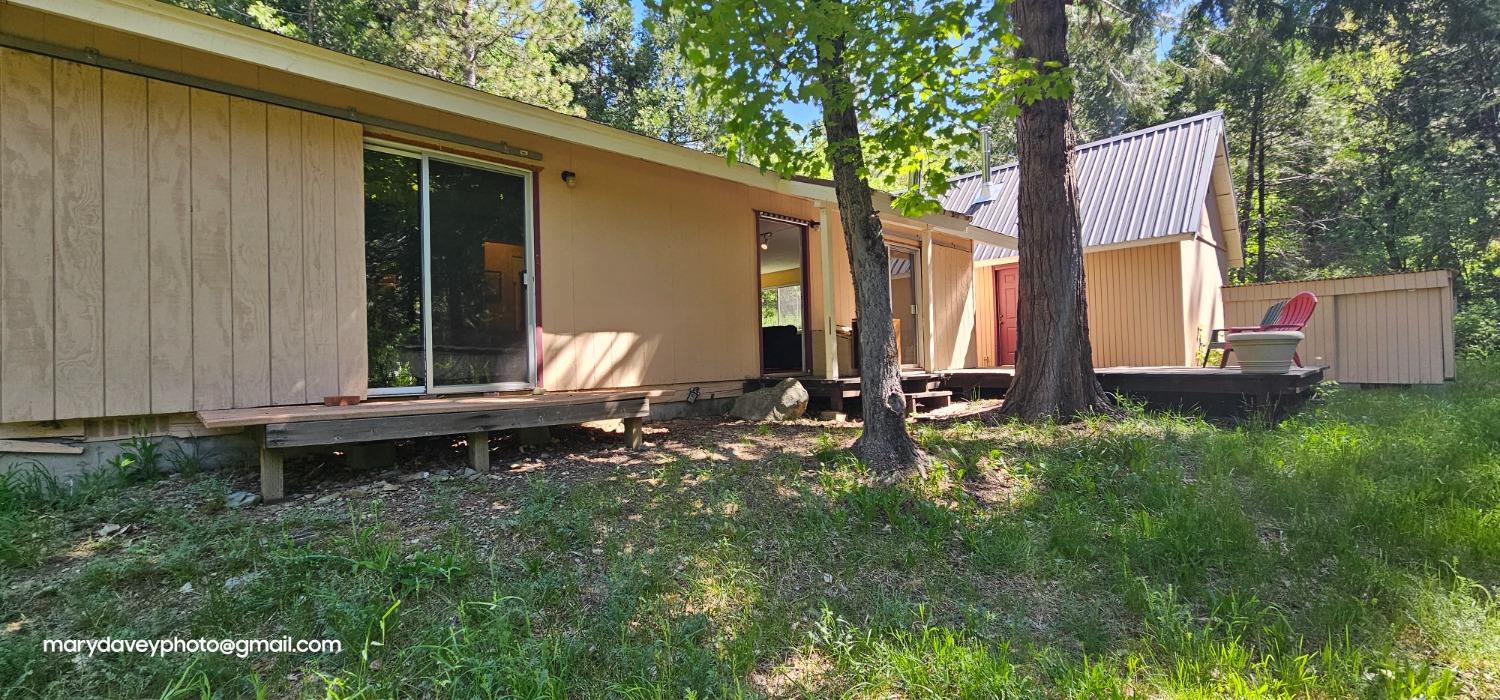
{"x":1390,"y":209}
{"x":1054,"y":359}
{"x":1260,"y":236}
{"x":1249,"y":199}
{"x":884,"y":446}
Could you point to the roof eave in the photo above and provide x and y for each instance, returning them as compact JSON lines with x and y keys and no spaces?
{"x":211,"y":35}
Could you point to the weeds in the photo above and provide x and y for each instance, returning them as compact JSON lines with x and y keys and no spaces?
{"x":1350,"y":551}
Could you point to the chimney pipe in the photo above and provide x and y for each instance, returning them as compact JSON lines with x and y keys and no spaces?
{"x":984,"y":146}
{"x":986,"y":191}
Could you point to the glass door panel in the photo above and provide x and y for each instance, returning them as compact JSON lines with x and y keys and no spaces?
{"x":477,"y":234}
{"x":393,"y":271}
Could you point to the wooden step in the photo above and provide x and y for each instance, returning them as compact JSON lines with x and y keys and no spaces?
{"x":920,"y":384}
{"x":927,"y":399}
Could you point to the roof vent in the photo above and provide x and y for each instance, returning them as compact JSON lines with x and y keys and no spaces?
{"x":987,"y":190}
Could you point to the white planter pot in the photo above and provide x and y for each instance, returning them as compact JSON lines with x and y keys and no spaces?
{"x":1265,"y":352}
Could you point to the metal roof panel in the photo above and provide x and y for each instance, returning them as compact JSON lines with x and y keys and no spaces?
{"x":1144,"y":184}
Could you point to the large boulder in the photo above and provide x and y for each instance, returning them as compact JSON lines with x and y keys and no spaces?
{"x":785,"y":401}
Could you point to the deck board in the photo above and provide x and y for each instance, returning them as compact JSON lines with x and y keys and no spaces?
{"x":396,"y":407}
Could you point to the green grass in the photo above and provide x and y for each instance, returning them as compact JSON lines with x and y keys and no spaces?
{"x":1349,"y":551}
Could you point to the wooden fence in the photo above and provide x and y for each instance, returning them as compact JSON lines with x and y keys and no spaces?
{"x":1381,"y":329}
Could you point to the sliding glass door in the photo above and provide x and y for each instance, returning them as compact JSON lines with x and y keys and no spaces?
{"x":447,"y":259}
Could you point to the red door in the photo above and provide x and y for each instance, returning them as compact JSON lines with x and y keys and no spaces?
{"x":1007,"y":294}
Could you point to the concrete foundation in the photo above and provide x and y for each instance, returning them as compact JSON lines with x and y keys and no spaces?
{"x":206,"y":452}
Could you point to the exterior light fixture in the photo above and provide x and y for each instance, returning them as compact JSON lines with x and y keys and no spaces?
{"x":569,"y":178}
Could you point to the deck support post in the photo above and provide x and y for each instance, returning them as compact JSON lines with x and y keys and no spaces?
{"x":479,"y":450}
{"x":633,"y":433}
{"x":272,"y":488}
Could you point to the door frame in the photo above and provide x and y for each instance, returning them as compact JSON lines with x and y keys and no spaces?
{"x":805,"y":228}
{"x":999,"y":315}
{"x":528,"y":282}
{"x":918,"y":300}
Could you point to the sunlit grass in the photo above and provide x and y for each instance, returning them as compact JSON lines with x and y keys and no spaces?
{"x":1349,"y":551}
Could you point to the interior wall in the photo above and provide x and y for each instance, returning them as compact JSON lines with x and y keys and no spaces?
{"x":167,"y":249}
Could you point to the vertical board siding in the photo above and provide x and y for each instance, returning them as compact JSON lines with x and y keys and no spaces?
{"x":1136,"y":307}
{"x":78,"y":240}
{"x":171,"y":299}
{"x":1382,"y":329}
{"x":127,"y":309}
{"x":249,"y":253}
{"x":953,"y":307}
{"x":284,"y":188}
{"x":320,"y":288}
{"x":155,"y":240}
{"x":213,"y":340}
{"x":26,"y":230}
{"x":349,"y":236}
{"x":986,"y":319}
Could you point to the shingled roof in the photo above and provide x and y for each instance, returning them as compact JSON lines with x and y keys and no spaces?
{"x":1145,"y":184}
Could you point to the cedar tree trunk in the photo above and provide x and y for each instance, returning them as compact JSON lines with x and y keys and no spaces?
{"x":1054,"y":366}
{"x":884,"y":446}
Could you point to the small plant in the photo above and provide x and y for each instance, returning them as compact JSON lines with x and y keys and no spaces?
{"x":187,"y":463}
{"x":140,"y":460}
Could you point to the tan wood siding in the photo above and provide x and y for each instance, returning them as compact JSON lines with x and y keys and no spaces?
{"x":141,"y":225}
{"x":647,"y":273}
{"x":1385,"y":329}
{"x":985,"y":317}
{"x":349,"y":242}
{"x":250,"y":254}
{"x":78,"y":240}
{"x":213,"y":354}
{"x":1136,"y":307}
{"x":1203,"y":274}
{"x":26,"y":233}
{"x":953,"y":306}
{"x":127,"y":327}
{"x":284,"y":186}
{"x":170,"y":264}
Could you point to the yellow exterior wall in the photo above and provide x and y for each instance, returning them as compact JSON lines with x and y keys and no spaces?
{"x":1136,"y":307}
{"x":168,"y":249}
{"x":1384,"y":329}
{"x":647,"y":272}
{"x":985,"y":318}
{"x":1205,"y":269}
{"x":954,"y":338}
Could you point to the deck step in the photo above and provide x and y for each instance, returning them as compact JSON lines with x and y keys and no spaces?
{"x":928,"y":400}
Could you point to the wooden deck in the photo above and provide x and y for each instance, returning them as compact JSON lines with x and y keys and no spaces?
{"x":367,"y":429}
{"x":1213,"y":389}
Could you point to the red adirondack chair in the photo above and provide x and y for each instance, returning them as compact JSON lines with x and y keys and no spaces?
{"x":1293,"y":316}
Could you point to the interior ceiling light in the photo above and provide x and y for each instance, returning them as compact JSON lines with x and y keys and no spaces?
{"x":765,"y":241}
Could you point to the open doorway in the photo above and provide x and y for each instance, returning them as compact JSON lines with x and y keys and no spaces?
{"x":904,"y":296}
{"x":781,"y":243}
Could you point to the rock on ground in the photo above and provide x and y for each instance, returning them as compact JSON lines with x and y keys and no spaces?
{"x":785,"y":401}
